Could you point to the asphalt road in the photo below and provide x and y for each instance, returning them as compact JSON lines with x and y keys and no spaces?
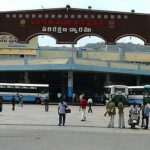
{"x":31,"y":128}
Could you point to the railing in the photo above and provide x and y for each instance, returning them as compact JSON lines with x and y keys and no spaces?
{"x":124,"y":65}
{"x":90,"y":62}
{"x":77,"y":61}
{"x":11,"y":62}
{"x":47,"y":61}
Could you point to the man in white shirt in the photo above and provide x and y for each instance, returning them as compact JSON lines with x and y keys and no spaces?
{"x":61,"y":111}
{"x":90,"y":101}
{"x":133,"y":109}
{"x":59,"y":95}
{"x":146,"y":115}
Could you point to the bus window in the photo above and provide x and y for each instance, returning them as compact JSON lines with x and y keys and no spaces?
{"x":29,"y":92}
{"x":135,"y":94}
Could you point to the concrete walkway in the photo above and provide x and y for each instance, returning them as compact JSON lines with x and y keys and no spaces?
{"x":32,"y":128}
{"x":35,"y":115}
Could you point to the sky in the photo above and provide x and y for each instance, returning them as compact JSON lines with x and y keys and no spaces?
{"x":140,"y":6}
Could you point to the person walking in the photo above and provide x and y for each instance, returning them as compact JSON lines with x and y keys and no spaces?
{"x":13,"y":101}
{"x":20,"y":97}
{"x":46,"y":104}
{"x":106,"y":106}
{"x":59,"y":95}
{"x":74,"y":98}
{"x":80,"y":98}
{"x":121,"y":115}
{"x":143,"y":117}
{"x":146,"y":115}
{"x":112,"y":112}
{"x":90,"y":102}
{"x":62,"y":105}
{"x":83,"y":104}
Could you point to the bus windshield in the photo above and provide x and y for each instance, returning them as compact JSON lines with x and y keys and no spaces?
{"x":112,"y":90}
{"x":119,"y":90}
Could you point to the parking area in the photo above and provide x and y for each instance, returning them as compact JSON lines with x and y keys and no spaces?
{"x":35,"y":115}
{"x":30,"y":127}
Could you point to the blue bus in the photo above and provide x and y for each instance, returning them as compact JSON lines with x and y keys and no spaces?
{"x":135,"y":94}
{"x":35,"y":93}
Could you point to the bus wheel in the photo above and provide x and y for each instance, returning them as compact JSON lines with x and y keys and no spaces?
{"x":38,"y":101}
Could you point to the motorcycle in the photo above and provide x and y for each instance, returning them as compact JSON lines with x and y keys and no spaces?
{"x":134,"y":119}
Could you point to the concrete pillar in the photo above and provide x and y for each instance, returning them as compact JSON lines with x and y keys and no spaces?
{"x":137,"y":80}
{"x":26,"y":77}
{"x":70,"y":86}
{"x":121,"y":54}
{"x":107,"y":78}
{"x":72,"y":50}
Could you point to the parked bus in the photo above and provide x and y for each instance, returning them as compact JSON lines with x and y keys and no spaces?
{"x":115,"y":90}
{"x":135,"y":94}
{"x":34,"y":93}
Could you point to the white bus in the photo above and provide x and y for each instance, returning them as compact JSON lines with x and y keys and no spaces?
{"x":112,"y":90}
{"x":135,"y":94}
{"x":34,"y":93}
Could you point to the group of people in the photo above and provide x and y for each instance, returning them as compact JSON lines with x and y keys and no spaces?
{"x":111,"y":111}
{"x":13,"y":101}
{"x":62,"y":106}
{"x":20,"y":98}
{"x":97,"y":97}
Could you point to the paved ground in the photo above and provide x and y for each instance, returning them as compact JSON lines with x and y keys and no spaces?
{"x":32,"y":128}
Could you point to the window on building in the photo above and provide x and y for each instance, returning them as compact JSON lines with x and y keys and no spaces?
{"x":105,"y":16}
{"x":53,"y":16}
{"x":92,"y":16}
{"x":40,"y":16}
{"x":33,"y":16}
{"x":20,"y":16}
{"x":125,"y":16}
{"x":79,"y":16}
{"x":66,"y":16}
{"x":85,"y":16}
{"x":118,"y":16}
{"x":7,"y":15}
{"x":27,"y":16}
{"x":112,"y":16}
{"x":72,"y":16}
{"x":99,"y":16}
{"x":22,"y":56}
{"x":59,"y":16}
{"x":14,"y":16}
{"x":46,"y":15}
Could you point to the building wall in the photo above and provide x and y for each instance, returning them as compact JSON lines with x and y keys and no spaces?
{"x":137,"y":57}
{"x":8,"y":41}
{"x":54,"y":53}
{"x":101,"y":55}
{"x":10,"y":49}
